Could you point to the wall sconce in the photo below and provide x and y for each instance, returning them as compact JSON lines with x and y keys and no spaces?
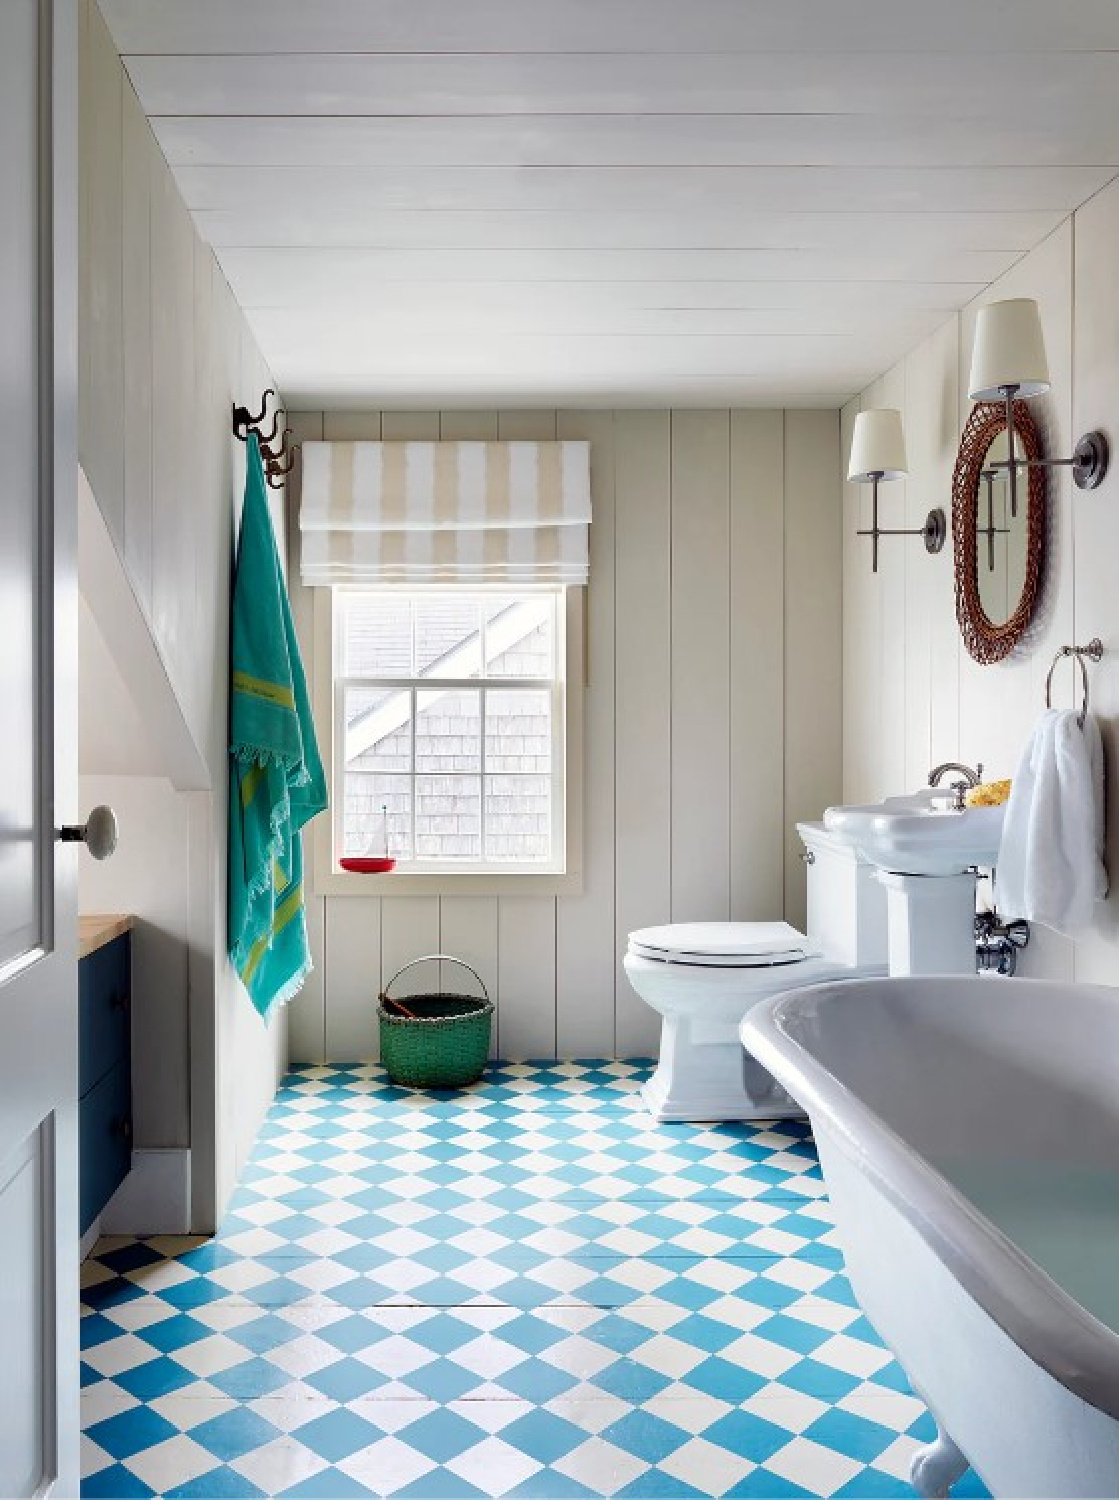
{"x":1007,"y":361}
{"x":877,"y":453}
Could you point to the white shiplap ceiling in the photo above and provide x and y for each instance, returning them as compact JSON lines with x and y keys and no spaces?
{"x":521,"y":202}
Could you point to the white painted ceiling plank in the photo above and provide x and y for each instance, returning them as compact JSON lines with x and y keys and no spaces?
{"x":298,"y":279}
{"x":215,"y":26}
{"x":1056,"y":88}
{"x":614,"y":190}
{"x":358,"y":348}
{"x":827,"y":140}
{"x":738,"y":226}
{"x":266,"y":275}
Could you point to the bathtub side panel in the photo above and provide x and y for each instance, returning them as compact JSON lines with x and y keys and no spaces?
{"x":1025,"y":1433}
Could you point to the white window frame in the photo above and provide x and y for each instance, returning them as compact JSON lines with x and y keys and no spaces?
{"x":562,"y":875}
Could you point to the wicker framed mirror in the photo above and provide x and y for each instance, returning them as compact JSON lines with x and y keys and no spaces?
{"x":999,"y":552}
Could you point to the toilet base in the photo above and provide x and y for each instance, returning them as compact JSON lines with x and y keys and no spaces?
{"x":712,"y":1077}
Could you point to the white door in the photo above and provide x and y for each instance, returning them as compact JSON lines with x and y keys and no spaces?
{"x":38,"y":763}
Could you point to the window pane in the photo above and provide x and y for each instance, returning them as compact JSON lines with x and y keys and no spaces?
{"x":448,"y":636}
{"x":448,"y":731}
{"x":518,"y":817}
{"x":376,"y":802}
{"x":448,"y":817}
{"x":377,"y":758}
{"x":378,"y":729}
{"x":519,"y":731}
{"x":519,"y":636}
{"x":376,"y":635}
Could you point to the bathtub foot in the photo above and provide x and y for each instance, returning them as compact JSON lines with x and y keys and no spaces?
{"x":935,"y":1468}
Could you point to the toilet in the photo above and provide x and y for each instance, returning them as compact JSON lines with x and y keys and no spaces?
{"x":702,"y":978}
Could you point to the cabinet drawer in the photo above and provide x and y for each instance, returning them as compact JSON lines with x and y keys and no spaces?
{"x":105,"y":1136}
{"x":104,"y":1007}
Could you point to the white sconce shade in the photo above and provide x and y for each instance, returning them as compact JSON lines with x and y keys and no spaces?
{"x":1009,"y":350}
{"x":877,"y":446}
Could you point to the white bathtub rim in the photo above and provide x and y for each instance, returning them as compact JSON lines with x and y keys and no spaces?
{"x":1058,"y":1333}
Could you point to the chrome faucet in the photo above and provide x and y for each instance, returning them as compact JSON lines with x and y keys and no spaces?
{"x":969,"y":778}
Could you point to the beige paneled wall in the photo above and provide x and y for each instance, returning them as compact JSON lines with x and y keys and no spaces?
{"x":712,"y":723}
{"x":912,"y":695}
{"x":164,"y":350}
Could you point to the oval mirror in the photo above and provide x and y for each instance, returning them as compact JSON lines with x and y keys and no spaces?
{"x":998,"y":546}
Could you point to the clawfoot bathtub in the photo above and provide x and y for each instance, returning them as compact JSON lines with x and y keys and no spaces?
{"x":968,"y":1131}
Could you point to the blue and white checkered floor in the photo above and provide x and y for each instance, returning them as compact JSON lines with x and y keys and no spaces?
{"x":525,"y":1289}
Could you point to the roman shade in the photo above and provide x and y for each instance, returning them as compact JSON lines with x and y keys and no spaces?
{"x":465,"y":513}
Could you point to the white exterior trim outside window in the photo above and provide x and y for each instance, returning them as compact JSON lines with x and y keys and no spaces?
{"x":457,"y":745}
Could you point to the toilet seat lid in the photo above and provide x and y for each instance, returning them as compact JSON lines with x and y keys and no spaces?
{"x":722,"y":944}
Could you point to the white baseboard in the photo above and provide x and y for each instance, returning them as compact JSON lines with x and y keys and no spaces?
{"x":155,"y":1196}
{"x":89,"y":1239}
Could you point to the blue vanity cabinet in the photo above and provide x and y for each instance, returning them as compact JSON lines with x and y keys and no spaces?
{"x":104,"y":1062}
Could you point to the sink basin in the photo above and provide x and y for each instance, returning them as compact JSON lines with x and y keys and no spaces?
{"x":921,"y":834}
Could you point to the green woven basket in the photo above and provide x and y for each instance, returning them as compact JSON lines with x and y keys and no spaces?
{"x":436,"y":1040}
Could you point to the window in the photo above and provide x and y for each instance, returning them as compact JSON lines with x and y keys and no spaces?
{"x":449,"y":728}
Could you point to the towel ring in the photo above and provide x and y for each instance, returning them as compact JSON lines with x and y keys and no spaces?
{"x":1093,"y":651}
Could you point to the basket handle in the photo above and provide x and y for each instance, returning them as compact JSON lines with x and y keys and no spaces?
{"x":426,"y":958}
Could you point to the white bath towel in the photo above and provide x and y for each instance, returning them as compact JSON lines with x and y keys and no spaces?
{"x":1050,"y":867}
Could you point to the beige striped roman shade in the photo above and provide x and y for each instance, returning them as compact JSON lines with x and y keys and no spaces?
{"x":464,"y":513}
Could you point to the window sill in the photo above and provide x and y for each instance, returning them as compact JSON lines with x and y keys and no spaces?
{"x":342,"y":883}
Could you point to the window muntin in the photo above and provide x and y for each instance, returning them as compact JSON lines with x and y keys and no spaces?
{"x":449,"y":714}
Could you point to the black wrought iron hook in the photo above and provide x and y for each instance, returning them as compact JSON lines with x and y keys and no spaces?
{"x":244,"y":421}
{"x":275,"y":470}
{"x":273,"y":455}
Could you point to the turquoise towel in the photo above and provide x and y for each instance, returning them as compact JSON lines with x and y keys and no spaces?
{"x":276,"y":781}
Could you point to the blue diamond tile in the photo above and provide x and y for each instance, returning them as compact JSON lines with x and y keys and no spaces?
{"x":748,"y":1435}
{"x":175,"y":1333}
{"x":658,"y":1484}
{"x":536,"y":1381}
{"x":443,"y":1381}
{"x":442,"y":1435}
{"x":234,"y":1433}
{"x":724,"y":1380}
{"x":346,"y":1380}
{"x":337,"y":1434}
{"x":440,"y":1484}
{"x":549,"y":1484}
{"x":705,"y":1333}
{"x":114,"y":1483}
{"x":646,"y":1436}
{"x":793,"y":1334}
{"x":254,"y":1377}
{"x":763,"y":1484}
{"x":871,"y":1484}
{"x":155,"y":1378}
{"x":131,"y":1432}
{"x":264,"y":1334}
{"x":128,"y":1258}
{"x":217,"y":1484}
{"x":330,"y":1484}
{"x":631,"y":1381}
{"x":852,"y":1434}
{"x":543,"y":1436}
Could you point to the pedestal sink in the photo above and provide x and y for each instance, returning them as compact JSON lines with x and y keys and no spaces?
{"x":925,"y":850}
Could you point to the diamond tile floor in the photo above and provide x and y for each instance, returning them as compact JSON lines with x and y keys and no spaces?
{"x":526,"y":1288}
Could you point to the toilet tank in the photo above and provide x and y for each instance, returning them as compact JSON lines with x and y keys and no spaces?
{"x":846,"y":904}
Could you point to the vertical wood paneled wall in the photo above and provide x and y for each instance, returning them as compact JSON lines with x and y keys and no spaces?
{"x":912,"y":696}
{"x":164,"y":350}
{"x":712,"y":723}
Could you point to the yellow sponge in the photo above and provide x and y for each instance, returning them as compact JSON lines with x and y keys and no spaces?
{"x":988,"y":794}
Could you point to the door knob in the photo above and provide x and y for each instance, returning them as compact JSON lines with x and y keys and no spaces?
{"x":98,"y":833}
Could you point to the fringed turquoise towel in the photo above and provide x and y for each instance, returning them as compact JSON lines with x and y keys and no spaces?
{"x":276,"y":781}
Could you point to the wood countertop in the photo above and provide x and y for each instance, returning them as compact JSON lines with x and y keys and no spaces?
{"x":96,"y":930}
